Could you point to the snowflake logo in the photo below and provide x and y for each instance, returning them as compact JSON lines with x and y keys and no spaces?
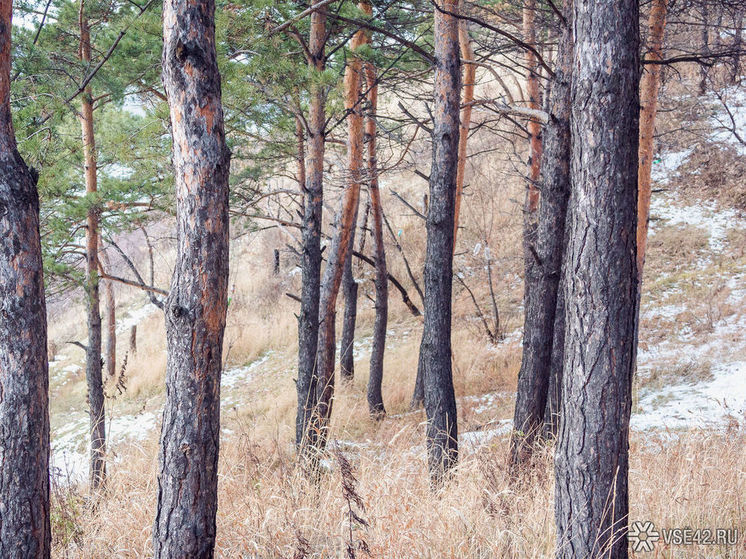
{"x":642,"y":536}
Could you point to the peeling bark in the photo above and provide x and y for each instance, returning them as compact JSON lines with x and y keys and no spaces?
{"x":340,"y":246}
{"x":24,"y":373}
{"x":591,"y":459}
{"x":651,"y":81}
{"x":197,"y":302}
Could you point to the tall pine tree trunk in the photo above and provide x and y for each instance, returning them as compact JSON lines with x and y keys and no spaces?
{"x":340,"y":246}
{"x":650,"y":84}
{"x":541,"y":297}
{"x":349,"y":285}
{"x":93,"y":372}
{"x":197,"y":302}
{"x":467,"y":98}
{"x":375,"y":379}
{"x":24,"y":372}
{"x":440,"y":400}
{"x":470,"y":71}
{"x":591,"y":460}
{"x":308,"y":319}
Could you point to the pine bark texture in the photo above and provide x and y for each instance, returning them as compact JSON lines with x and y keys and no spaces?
{"x":340,"y":245}
{"x":440,"y":401}
{"x":375,"y":379}
{"x":649,"y":87}
{"x":591,"y":460}
{"x":544,"y":275}
{"x":24,"y":370}
{"x":93,"y":368}
{"x":196,"y":306}
{"x":531,"y":394}
{"x":470,"y":75}
{"x":349,"y":319}
{"x":308,"y":319}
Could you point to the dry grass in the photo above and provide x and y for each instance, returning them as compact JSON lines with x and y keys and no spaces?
{"x":267,"y":508}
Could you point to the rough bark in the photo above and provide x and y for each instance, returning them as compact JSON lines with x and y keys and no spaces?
{"x":340,"y":246}
{"x":467,"y":98}
{"x":111,"y":319}
{"x":308,"y":318}
{"x":349,"y":319}
{"x":375,"y":379}
{"x":543,"y":275}
{"x":93,"y":369}
{"x":650,"y":84}
{"x":556,"y":363}
{"x":24,"y":375}
{"x":440,"y":400}
{"x":591,"y":460}
{"x":526,"y":402}
{"x":197,"y":302}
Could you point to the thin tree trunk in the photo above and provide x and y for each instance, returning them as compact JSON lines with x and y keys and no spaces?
{"x":703,"y":69}
{"x":375,"y":379}
{"x":24,"y":373}
{"x":737,"y":44}
{"x":349,"y":285}
{"x":440,"y":400}
{"x":111,"y":319}
{"x":198,"y":299}
{"x":651,"y":80}
{"x":350,"y":289}
{"x":308,"y":319}
{"x":341,"y":244}
{"x":556,"y":362}
{"x":534,"y":388}
{"x":592,"y":461}
{"x":543,"y":275}
{"x":93,"y":372}
{"x":470,"y":74}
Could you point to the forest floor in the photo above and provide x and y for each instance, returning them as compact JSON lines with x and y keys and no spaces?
{"x":688,"y":463}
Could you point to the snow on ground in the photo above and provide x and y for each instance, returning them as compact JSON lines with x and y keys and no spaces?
{"x":709,"y":404}
{"x":136,"y":316}
{"x":69,"y":461}
{"x":705,"y":215}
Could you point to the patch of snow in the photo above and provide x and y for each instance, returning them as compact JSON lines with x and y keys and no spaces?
{"x":135,"y":317}
{"x":714,"y":220}
{"x":705,"y":404}
{"x":667,"y":164}
{"x":471,"y":440}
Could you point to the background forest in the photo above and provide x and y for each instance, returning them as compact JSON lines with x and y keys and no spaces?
{"x":342,"y":148}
